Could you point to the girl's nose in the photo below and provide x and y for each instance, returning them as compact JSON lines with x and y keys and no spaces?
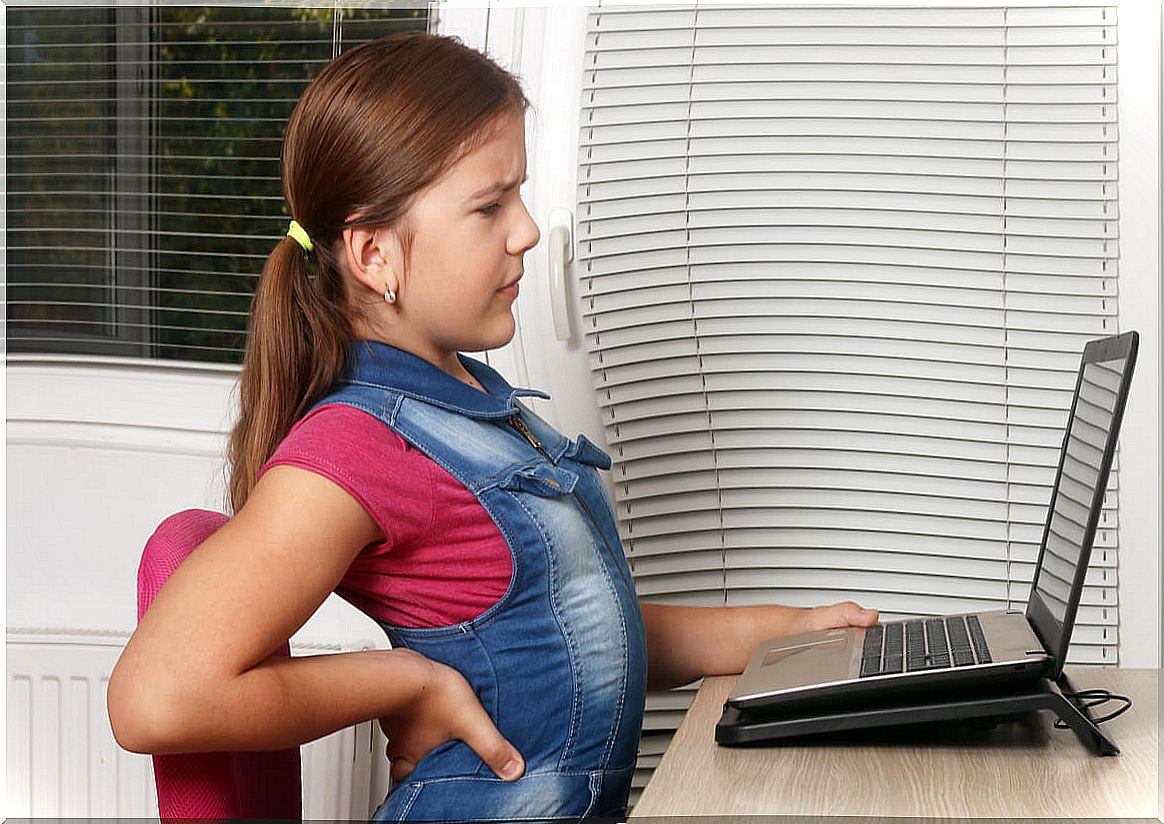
{"x":525,"y":234}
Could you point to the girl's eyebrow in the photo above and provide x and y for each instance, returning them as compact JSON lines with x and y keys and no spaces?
{"x":496,"y":188}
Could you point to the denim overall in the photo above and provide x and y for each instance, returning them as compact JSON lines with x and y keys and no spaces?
{"x":559,"y":663}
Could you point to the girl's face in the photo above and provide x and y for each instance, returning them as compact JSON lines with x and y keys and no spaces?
{"x":471,"y":231}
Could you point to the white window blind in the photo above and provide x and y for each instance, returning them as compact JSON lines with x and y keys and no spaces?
{"x":837,"y":267}
{"x":143,"y":179}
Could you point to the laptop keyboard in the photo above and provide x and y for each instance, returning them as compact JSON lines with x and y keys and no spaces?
{"x":924,"y":644}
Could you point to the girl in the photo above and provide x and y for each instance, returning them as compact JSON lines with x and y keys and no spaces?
{"x":372,"y":459}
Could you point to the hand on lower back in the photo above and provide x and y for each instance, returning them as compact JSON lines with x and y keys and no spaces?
{"x":446,"y":708}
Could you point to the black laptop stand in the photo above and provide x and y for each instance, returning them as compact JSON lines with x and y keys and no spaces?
{"x":740,"y":728}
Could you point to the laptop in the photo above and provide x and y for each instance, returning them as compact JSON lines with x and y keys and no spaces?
{"x":919,"y":657}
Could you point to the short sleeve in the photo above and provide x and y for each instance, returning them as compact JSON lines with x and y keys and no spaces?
{"x":351,"y":448}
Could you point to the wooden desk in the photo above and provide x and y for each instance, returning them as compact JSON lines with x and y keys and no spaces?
{"x":1023,"y":769}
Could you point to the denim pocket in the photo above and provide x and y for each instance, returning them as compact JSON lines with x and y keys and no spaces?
{"x":543,"y":480}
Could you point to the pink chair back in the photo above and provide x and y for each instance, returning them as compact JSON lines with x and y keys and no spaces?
{"x":220,"y":784}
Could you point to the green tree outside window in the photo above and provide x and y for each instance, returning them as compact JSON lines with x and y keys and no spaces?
{"x":143,"y":147}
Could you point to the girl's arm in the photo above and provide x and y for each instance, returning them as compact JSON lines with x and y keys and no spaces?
{"x":688,"y":643}
{"x":198,"y":675}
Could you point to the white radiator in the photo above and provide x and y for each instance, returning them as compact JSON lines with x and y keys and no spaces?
{"x":63,"y":760}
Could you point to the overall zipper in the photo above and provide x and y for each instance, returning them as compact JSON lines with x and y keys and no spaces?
{"x":518,"y":424}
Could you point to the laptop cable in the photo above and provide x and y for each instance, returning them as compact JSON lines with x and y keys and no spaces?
{"x":1088,"y":699}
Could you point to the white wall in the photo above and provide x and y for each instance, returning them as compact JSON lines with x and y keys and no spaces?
{"x":1140,"y":77}
{"x":97,"y":455}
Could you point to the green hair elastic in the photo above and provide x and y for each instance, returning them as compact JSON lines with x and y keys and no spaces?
{"x":299,"y":234}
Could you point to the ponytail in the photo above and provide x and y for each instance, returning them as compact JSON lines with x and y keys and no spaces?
{"x":298,"y":339}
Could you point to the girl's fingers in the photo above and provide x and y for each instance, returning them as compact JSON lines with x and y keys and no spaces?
{"x":501,"y":756}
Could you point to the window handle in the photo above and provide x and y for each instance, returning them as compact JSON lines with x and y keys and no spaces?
{"x":561,"y":250}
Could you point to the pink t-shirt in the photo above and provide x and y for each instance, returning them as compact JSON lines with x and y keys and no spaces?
{"x":443,"y":561}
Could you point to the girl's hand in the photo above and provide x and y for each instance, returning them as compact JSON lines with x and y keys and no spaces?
{"x":446,"y":708}
{"x":833,"y":616}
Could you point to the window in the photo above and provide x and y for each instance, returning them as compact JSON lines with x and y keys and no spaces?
{"x":837,"y":267}
{"x":143,"y":180}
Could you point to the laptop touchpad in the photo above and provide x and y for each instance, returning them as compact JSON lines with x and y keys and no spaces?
{"x":782,"y":653}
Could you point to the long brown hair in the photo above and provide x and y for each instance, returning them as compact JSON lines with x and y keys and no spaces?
{"x":378,"y":125}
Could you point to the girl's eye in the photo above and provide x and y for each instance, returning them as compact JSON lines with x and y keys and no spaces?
{"x":491,"y":209}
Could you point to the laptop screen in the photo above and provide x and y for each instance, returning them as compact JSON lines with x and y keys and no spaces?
{"x":1101,"y":391}
{"x":1078,"y":483}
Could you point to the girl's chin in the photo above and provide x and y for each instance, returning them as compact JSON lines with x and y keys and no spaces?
{"x":493,"y":336}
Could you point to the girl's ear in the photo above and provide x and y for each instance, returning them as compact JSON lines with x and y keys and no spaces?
{"x":372,"y":255}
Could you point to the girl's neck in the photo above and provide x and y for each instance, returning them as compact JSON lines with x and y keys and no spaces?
{"x":403,"y":338}
{"x":447,"y":362}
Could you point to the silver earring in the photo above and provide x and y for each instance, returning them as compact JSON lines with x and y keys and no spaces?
{"x":389,"y":296}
